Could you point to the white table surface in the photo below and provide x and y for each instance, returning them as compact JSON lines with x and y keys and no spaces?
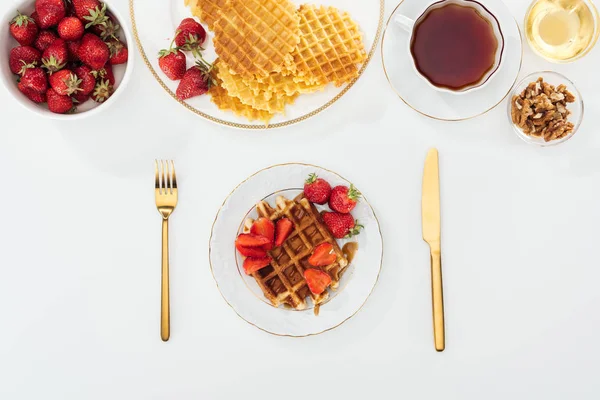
{"x":80,"y":254}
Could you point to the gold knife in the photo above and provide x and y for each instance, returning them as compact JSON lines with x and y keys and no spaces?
{"x":432,"y":235}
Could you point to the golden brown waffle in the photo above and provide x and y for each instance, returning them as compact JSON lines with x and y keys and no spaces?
{"x":256,"y":37}
{"x":224,"y":101}
{"x":207,"y":10}
{"x":277,"y":84}
{"x":331,"y":46}
{"x":260,"y":100}
{"x":283,"y":281}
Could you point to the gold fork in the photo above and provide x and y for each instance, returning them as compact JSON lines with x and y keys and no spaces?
{"x":165,"y":193}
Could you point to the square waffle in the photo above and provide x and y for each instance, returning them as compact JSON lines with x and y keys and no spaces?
{"x":283,"y":280}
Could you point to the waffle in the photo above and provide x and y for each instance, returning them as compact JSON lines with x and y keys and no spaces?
{"x":256,"y":37}
{"x":283,"y":281}
{"x":278,"y":84}
{"x":207,"y":10}
{"x":258,"y":99}
{"x":224,"y":101}
{"x":330,"y":48}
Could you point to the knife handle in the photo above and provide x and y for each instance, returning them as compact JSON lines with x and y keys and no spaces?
{"x":437,"y":297}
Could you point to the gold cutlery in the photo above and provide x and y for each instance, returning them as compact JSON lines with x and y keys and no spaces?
{"x":165,"y":193}
{"x":432,"y":235}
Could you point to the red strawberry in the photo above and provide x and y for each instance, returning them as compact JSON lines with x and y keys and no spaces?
{"x":105,"y":73}
{"x":264,"y":227}
{"x":34,"y":96}
{"x":79,"y":98}
{"x":343,"y":199}
{"x":55,"y":57}
{"x":257,"y":252}
{"x":65,"y":82}
{"x":50,"y":12}
{"x":195,"y":82}
{"x":250,"y":240}
{"x":58,"y":104}
{"x":118,"y":51}
{"x":172,"y":62}
{"x":93,"y":51}
{"x":23,"y":29}
{"x":251,"y":265}
{"x":191,"y":33}
{"x":91,"y":12}
{"x":34,"y":79}
{"x":44,"y":40}
{"x":323,"y":255}
{"x":102,"y":91}
{"x":317,"y":190}
{"x":21,"y":56}
{"x":73,"y":48}
{"x":88,"y":81}
{"x":341,"y":225}
{"x":106,"y":30}
{"x":317,"y":280}
{"x":282,"y":231}
{"x":70,"y":28}
{"x":36,"y":18}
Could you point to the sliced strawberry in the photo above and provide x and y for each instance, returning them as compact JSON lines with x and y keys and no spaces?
{"x":250,"y":240}
{"x":251,"y":264}
{"x":256,"y":252}
{"x":323,"y":255}
{"x":317,"y":280}
{"x":264,"y":227}
{"x":284,"y":228}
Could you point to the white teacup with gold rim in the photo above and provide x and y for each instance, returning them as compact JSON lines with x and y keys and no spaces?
{"x":456,"y":45}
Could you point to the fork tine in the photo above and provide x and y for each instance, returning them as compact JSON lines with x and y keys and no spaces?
{"x":164,"y":177}
{"x":156,"y":176}
{"x":173,"y":175}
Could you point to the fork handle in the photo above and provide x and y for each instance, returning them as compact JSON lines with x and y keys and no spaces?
{"x":165,"y":309}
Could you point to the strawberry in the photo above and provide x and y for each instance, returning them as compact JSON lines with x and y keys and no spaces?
{"x":343,"y":199}
{"x":90,"y":12}
{"x":65,"y":82}
{"x":264,"y":227}
{"x":59,"y":104}
{"x":50,"y":12}
{"x":34,"y":96}
{"x":106,"y":30}
{"x":195,"y":82}
{"x":73,"y":48}
{"x":36,"y":18}
{"x":118,"y":52}
{"x":105,"y":73}
{"x":23,"y":29}
{"x":257,"y":252}
{"x":88,"y":81}
{"x":70,"y":28}
{"x":317,"y":280}
{"x":44,"y":40}
{"x":341,"y":225}
{"x":33,"y":79}
{"x":79,"y":98}
{"x":323,"y":255}
{"x":251,"y":264}
{"x":172,"y":62}
{"x":282,"y":231}
{"x":250,"y":240}
{"x":93,"y":51}
{"x":21,"y":56}
{"x":317,"y":190}
{"x":55,"y":57}
{"x":102,"y":91}
{"x":190,"y":33}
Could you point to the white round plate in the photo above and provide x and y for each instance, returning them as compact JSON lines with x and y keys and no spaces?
{"x":243,"y":294}
{"x":419,"y":95}
{"x":154,"y":23}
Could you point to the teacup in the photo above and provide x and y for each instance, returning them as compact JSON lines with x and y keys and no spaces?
{"x":475,"y":34}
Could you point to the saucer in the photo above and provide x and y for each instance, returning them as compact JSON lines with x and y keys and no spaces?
{"x":432,"y":103}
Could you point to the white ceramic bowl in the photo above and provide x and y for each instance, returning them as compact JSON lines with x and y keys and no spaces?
{"x":89,"y":108}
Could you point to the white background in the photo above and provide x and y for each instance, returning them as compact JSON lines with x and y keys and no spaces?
{"x":80,"y":254}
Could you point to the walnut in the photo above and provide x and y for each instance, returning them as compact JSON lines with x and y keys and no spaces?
{"x":540,"y":110}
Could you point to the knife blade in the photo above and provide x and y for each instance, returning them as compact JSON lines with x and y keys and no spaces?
{"x":431,"y":221}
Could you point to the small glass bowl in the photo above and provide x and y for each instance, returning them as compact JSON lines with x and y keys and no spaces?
{"x":576,"y":108}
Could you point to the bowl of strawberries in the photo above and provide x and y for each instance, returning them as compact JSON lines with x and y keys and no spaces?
{"x":65,"y":59}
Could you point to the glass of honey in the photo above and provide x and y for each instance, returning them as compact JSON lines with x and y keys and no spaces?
{"x":562,"y":31}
